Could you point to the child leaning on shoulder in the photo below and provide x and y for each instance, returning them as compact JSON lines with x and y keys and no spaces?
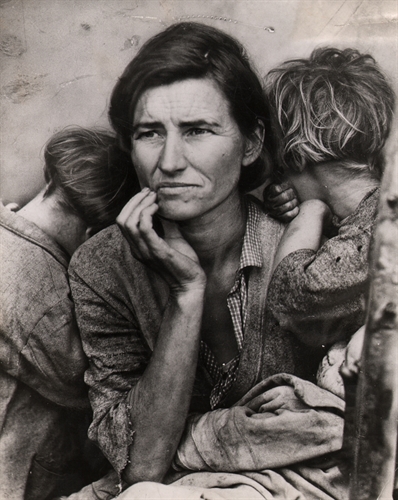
{"x":333,"y":112}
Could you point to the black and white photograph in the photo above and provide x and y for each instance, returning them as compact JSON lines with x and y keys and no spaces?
{"x":198,"y":250}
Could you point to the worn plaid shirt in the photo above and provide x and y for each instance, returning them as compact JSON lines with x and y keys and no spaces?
{"x":224,"y":376}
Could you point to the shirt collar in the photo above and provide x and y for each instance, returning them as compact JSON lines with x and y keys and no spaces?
{"x":251,"y":250}
{"x":30,"y":232}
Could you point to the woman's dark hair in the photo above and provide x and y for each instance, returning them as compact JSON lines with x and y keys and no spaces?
{"x":193,"y":50}
{"x":92,"y":176}
{"x":335,"y":105}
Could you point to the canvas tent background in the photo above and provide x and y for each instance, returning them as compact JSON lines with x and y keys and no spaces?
{"x":60,"y":58}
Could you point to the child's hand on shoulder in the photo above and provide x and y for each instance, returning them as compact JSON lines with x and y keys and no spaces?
{"x":280,"y":201}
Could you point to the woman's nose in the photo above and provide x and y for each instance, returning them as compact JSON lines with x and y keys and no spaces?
{"x":172,"y":157}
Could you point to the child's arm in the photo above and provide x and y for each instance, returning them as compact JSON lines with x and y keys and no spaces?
{"x":319,"y":295}
{"x":306,"y":229}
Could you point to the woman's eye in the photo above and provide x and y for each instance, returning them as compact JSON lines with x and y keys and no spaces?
{"x":198,"y":131}
{"x":147,"y":134}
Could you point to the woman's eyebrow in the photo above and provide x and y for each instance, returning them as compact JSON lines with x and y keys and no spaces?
{"x":182,"y":124}
{"x":199,"y":123}
{"x":147,"y":124}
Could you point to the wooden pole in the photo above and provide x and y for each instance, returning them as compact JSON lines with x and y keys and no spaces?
{"x":376,"y":412}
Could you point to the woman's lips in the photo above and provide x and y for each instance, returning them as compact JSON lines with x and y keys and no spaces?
{"x":174,"y":187}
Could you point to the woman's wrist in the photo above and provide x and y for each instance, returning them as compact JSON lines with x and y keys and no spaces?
{"x":189,"y":292}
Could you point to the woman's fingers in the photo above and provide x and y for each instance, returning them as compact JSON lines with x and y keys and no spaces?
{"x":131,"y":205}
{"x":277,"y":398}
{"x":155,"y":245}
{"x":171,"y":256}
{"x":267,"y":396}
{"x":145,"y":221}
{"x":135,"y":218}
{"x":130,"y":215}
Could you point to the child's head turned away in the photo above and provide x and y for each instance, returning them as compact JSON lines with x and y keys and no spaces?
{"x":335,"y":106}
{"x":92,"y":176}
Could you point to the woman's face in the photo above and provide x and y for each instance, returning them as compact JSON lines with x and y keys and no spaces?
{"x":187,"y":147}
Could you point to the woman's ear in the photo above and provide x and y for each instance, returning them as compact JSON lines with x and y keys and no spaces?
{"x":254,"y":145}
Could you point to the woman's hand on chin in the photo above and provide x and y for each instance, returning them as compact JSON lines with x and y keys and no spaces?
{"x":172,"y":257}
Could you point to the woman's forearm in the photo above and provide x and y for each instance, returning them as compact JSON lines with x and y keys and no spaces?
{"x":305,"y":231}
{"x":160,"y":401}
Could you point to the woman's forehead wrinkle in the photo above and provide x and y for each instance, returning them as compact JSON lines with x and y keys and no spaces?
{"x":182,"y":103}
{"x":149,"y":106}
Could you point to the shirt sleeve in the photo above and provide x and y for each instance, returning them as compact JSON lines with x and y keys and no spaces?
{"x":53,"y":362}
{"x":320,"y":296}
{"x":117,"y":359}
{"x":248,"y":438}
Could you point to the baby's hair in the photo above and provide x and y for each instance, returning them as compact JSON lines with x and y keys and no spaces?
{"x":334,"y":106}
{"x":91,"y":175}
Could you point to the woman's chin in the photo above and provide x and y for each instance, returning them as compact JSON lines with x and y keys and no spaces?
{"x":177,"y":211}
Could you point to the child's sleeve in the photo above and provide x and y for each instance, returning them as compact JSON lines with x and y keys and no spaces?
{"x":320,"y":296}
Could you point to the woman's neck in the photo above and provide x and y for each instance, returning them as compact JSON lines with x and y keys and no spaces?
{"x":217,"y":236}
{"x":67,"y":229}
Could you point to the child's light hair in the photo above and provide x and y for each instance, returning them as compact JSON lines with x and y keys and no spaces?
{"x":91,"y":175}
{"x":334,"y":106}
